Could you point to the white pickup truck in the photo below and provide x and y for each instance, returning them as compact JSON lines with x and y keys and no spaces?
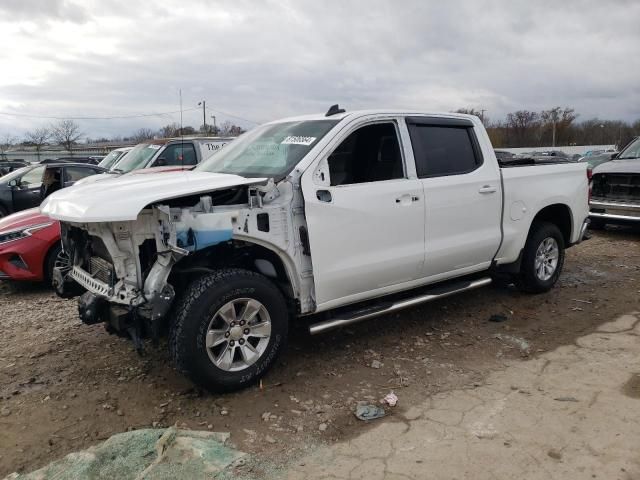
{"x":337,"y":218}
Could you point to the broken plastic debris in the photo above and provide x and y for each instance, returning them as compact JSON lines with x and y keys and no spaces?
{"x":368,"y":412}
{"x":498,"y":317}
{"x":390,"y":399}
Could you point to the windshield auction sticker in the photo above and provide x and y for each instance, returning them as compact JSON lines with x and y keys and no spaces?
{"x":295,"y":140}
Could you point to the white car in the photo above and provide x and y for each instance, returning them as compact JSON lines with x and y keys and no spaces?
{"x":166,"y":152}
{"x":113,"y":157}
{"x":337,"y":217}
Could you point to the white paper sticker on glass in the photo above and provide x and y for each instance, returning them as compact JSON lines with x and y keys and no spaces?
{"x":297,"y":140}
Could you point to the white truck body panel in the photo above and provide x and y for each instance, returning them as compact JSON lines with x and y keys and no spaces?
{"x":369,"y":240}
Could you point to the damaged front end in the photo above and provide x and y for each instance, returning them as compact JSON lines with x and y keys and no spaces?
{"x":123,"y":267}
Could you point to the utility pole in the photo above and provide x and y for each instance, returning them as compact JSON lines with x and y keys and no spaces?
{"x":215,"y":129}
{"x":204,"y":115}
{"x":482,"y":110}
{"x":553,"y":139}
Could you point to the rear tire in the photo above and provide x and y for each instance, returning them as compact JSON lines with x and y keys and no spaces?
{"x":228,"y":329}
{"x":542,"y":258}
{"x":55,"y":258}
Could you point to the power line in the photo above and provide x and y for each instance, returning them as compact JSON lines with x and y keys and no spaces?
{"x":114,"y":117}
{"x":234,"y":116}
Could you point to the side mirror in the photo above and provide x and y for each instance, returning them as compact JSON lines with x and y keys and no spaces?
{"x":614,"y":155}
{"x":161,"y":162}
{"x":13,"y":183}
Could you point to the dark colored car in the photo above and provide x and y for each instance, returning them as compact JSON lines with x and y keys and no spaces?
{"x":89,"y":160}
{"x":8,"y":166}
{"x":503,"y":155}
{"x":28,"y":186}
{"x":615,"y":187}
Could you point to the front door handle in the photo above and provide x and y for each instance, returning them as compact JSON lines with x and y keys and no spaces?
{"x":323,"y":196}
{"x":488,"y":189}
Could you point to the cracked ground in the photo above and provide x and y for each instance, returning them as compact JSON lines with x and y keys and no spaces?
{"x":550,"y":392}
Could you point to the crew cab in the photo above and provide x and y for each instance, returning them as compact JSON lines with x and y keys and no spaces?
{"x":616,"y":189}
{"x":334,"y":218}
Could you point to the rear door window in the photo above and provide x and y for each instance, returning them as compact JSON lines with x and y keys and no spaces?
{"x":441,"y":150}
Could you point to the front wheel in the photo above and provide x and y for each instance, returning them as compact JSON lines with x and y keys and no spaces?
{"x":228,"y":329}
{"x":542,"y":258}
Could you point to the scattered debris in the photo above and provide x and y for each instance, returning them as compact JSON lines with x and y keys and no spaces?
{"x":390,"y":399}
{"x":270,"y":439}
{"x":498,"y":318}
{"x":5,"y":412}
{"x":367,"y":412}
{"x":322,"y":427}
{"x":521,"y":343}
{"x":149,"y":453}
{"x":376,"y":364}
{"x":555,"y":454}
{"x":582,"y":301}
{"x":566,"y":399}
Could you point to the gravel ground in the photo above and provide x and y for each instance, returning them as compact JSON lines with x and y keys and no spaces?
{"x":65,"y":386}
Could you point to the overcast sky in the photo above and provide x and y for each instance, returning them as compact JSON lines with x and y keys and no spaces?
{"x":269,"y":59}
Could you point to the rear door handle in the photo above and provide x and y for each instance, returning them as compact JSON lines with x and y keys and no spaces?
{"x":488,"y":189}
{"x":407,"y":199}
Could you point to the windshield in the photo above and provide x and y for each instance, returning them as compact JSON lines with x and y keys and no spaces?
{"x":108,"y":161}
{"x":269,"y":150}
{"x":137,"y":158}
{"x":632,"y":151}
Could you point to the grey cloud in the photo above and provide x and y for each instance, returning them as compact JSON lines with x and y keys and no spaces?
{"x":37,"y":10}
{"x":263,"y":61}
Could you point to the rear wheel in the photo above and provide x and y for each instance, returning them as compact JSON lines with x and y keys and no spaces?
{"x":228,"y":329}
{"x":542,"y":258}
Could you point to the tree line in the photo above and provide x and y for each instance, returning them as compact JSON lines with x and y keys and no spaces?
{"x":67,"y":134}
{"x":557,"y":126}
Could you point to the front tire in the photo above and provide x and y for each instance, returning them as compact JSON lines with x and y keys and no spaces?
{"x":228,"y":329}
{"x":542,"y":258}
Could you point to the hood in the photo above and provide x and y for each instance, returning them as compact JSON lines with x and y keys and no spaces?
{"x":97,"y":178}
{"x":167,"y":168}
{"x":618,"y":166}
{"x":22,"y":219}
{"x":123,"y":198}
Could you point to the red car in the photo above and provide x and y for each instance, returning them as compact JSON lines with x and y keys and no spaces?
{"x":29,"y":246}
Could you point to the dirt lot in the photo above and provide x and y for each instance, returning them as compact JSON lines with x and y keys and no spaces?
{"x":65,"y":386}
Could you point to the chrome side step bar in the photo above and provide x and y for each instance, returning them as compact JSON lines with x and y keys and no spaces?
{"x":367,"y":313}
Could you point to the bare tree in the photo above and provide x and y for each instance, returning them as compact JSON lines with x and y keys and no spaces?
{"x":6,"y":142}
{"x":230,"y":129}
{"x":170,"y":130}
{"x":522,"y":125}
{"x":558,"y":120}
{"x":38,"y":138}
{"x":66,"y":133}
{"x":142,"y":134}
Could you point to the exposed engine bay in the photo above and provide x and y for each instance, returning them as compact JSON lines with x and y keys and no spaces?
{"x":132,"y":271}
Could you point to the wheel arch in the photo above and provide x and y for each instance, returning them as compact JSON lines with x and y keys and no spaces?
{"x":254,"y":255}
{"x":558,"y":214}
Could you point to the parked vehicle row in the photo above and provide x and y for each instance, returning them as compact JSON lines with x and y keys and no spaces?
{"x":30,"y":241}
{"x":335,"y":218}
{"x":616,"y":188}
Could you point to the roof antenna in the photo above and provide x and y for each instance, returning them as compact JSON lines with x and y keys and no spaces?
{"x":334,"y":110}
